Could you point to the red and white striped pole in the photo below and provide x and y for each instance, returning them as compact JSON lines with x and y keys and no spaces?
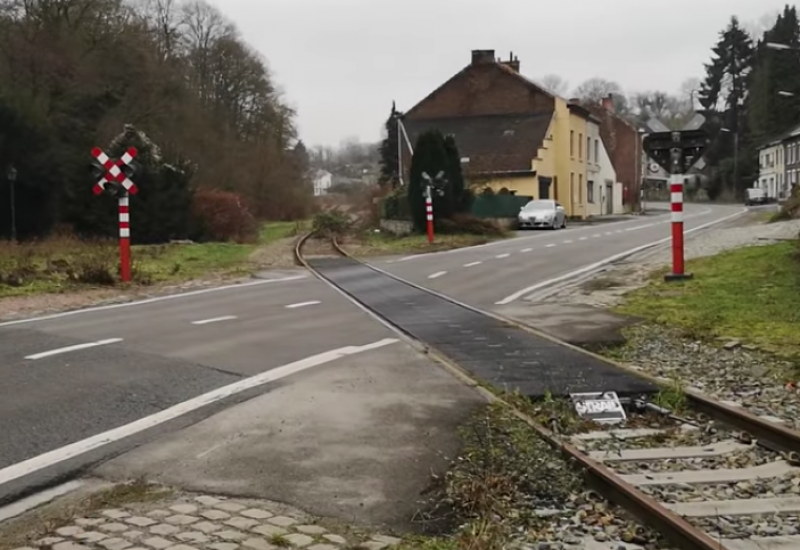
{"x":429,"y":212}
{"x":124,"y":239}
{"x":676,"y":200}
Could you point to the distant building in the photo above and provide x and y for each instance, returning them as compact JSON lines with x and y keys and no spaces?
{"x":322,"y":182}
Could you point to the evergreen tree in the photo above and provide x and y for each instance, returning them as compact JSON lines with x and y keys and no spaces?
{"x":459,"y":197}
{"x":723,"y":95}
{"x":388,"y":151}
{"x":430,"y":156}
{"x":769,"y":113}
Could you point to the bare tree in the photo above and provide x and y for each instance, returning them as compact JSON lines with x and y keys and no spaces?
{"x":596,"y":89}
{"x":554,"y":84}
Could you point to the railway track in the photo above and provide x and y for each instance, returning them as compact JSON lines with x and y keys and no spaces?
{"x":707,"y":475}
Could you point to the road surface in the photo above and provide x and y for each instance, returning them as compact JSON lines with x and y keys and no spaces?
{"x":504,"y":272}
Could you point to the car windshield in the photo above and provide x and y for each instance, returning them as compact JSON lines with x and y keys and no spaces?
{"x":538,"y":206}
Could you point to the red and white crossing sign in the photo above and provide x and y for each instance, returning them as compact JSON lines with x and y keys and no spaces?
{"x":114,"y":170}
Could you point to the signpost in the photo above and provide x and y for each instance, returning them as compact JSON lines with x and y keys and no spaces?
{"x":677,"y":152}
{"x":601,"y":407}
{"x":436,"y":183}
{"x":114,"y":177}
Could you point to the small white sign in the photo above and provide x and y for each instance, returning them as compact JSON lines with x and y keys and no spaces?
{"x":602,"y":407}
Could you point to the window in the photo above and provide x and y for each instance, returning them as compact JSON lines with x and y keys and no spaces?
{"x":580,"y":146}
{"x":597,"y":151}
{"x":590,"y":191}
{"x":572,"y":143}
{"x":580,"y":187}
{"x":589,"y":149}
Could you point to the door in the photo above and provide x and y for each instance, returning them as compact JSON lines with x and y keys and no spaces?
{"x":544,"y":187}
{"x":609,"y":198}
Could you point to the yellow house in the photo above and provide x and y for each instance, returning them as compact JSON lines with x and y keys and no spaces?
{"x":511,"y":133}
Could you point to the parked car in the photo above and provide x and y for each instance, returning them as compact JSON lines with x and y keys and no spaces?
{"x":542,"y":213}
{"x":755,"y":195}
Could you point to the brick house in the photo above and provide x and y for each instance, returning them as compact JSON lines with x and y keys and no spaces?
{"x":511,"y":133}
{"x":623,"y":144}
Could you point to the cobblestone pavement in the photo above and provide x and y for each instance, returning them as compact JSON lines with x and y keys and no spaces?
{"x":607,"y":288}
{"x":192,"y":522}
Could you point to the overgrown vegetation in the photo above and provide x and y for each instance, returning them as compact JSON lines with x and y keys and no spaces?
{"x":371,"y":243}
{"x":749,"y":294}
{"x":504,"y":473}
{"x":63,"y":262}
{"x":177,"y":70}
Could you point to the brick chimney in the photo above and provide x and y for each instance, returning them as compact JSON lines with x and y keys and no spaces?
{"x":480,"y":57}
{"x":512,"y":63}
{"x":608,"y":103}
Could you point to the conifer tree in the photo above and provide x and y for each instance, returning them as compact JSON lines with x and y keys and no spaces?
{"x":389,"y":150}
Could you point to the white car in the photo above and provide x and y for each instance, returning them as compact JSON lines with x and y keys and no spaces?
{"x":542,"y":213}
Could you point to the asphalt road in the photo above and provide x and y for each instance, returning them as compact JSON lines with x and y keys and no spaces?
{"x":155,"y":355}
{"x":501,"y":273}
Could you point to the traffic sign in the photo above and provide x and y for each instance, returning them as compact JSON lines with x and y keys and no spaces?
{"x":115,"y":171}
{"x":676,"y":152}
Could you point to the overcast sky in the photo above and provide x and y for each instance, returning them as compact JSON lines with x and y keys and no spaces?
{"x":342,"y":62}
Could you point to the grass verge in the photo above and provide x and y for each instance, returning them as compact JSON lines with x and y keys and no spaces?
{"x":751,"y":294}
{"x":382,"y":244}
{"x":67,"y":264}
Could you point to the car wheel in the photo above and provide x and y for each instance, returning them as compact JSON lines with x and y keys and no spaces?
{"x":564,"y":223}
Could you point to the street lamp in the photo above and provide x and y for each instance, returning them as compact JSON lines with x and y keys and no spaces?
{"x":12,"y":178}
{"x":735,"y":153}
{"x":779,"y":46}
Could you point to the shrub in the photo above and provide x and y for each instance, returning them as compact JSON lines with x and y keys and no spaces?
{"x":470,"y":225}
{"x":222,"y":216}
{"x":331,"y":223}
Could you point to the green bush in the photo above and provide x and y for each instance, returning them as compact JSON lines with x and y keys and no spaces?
{"x":331,"y":223}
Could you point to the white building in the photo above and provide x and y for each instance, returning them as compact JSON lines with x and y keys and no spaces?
{"x":322,"y":182}
{"x":771,"y":169}
{"x":603,"y":191}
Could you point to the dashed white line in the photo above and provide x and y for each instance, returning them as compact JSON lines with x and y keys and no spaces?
{"x":583,"y":238}
{"x":303,"y":304}
{"x":524,"y":250}
{"x":596,"y":236}
{"x":551,"y":245}
{"x":501,"y":256}
{"x":214,"y":320}
{"x":472,"y":264}
{"x":437,"y":274}
{"x":568,"y":242}
{"x":76,"y":347}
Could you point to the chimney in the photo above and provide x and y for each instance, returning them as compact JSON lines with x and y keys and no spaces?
{"x":608,"y":103}
{"x":512,"y":63}
{"x":480,"y":57}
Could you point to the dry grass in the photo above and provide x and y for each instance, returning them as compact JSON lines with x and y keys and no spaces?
{"x":65,"y":263}
{"x":382,"y":244}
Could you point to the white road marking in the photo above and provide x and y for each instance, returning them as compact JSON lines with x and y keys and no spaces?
{"x":437,"y":274}
{"x":524,"y":250}
{"x":472,"y":264}
{"x":551,"y":245}
{"x":583,"y":238}
{"x":303,"y":304}
{"x":596,"y":235}
{"x":609,"y":260}
{"x":153,"y":300}
{"x":76,"y":347}
{"x":79,"y":448}
{"x":609,"y":232}
{"x":215,"y":320}
{"x":639,"y":227}
{"x":501,"y":256}
{"x":568,"y":242}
